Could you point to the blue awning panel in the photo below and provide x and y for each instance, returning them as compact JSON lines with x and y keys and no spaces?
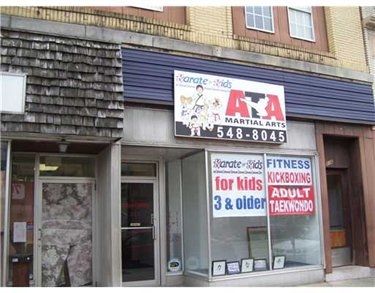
{"x":148,"y":77}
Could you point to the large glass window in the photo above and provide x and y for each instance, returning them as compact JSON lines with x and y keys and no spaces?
{"x":263,"y":212}
{"x":259,"y":18}
{"x":301,"y":22}
{"x":297,"y":238}
{"x":292,"y":209}
{"x":194,"y":203}
{"x":239,"y":218}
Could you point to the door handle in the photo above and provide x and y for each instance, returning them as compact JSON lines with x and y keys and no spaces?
{"x":153,"y":226}
{"x":39,"y":236}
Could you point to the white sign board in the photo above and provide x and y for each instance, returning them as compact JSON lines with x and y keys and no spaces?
{"x":12,"y":97}
{"x":208,"y":106}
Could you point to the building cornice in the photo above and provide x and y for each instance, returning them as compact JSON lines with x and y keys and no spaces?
{"x":173,"y":45}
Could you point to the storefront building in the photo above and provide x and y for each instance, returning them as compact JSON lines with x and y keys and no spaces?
{"x":158,"y":169}
{"x":223,"y":206}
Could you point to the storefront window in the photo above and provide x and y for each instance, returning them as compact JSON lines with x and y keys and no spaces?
{"x":263,"y":213}
{"x":239,"y":220}
{"x":238,"y":238}
{"x":174,"y":217}
{"x":194,"y":203}
{"x":296,"y":238}
{"x":293,"y":212}
{"x":262,"y":207}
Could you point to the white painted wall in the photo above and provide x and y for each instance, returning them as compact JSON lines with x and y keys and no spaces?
{"x":155,"y":127}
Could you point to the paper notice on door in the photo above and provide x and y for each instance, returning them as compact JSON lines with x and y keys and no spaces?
{"x":19,"y":232}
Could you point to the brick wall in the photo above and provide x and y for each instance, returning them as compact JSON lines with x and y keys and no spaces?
{"x":368,"y":19}
{"x":211,"y":20}
{"x":345,"y":36}
{"x":213,"y":26}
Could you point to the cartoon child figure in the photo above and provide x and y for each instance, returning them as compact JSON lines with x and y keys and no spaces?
{"x":199,"y":99}
{"x":194,"y":125}
{"x":216,"y":105}
{"x":185,"y":109}
{"x":203,"y":117}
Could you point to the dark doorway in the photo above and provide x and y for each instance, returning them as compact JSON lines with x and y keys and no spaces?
{"x":345,"y":200}
{"x":339,"y":218}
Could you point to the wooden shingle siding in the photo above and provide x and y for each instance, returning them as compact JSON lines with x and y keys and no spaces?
{"x":73,"y":87}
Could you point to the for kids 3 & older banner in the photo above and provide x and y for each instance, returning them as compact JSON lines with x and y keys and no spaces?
{"x":208,"y":106}
{"x":238,"y":185}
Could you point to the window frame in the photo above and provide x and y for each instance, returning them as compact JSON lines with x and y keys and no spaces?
{"x":301,"y":10}
{"x":248,"y":26}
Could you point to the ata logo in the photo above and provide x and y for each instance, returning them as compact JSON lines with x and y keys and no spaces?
{"x":254,"y":105}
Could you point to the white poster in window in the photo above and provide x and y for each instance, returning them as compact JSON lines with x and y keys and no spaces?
{"x":237,"y":185}
{"x":19,"y":232}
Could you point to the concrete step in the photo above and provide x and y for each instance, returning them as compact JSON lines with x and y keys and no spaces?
{"x":349,"y":272}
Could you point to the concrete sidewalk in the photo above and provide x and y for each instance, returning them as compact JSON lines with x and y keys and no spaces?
{"x":361,"y":282}
{"x":348,"y":276}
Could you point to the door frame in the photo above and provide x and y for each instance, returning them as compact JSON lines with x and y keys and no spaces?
{"x":37,"y":266}
{"x":156,"y":196}
{"x":347,"y":214}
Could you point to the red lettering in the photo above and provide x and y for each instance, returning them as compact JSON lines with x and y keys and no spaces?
{"x":274,"y":109}
{"x":236,"y":105}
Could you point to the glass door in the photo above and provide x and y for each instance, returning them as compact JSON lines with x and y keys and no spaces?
{"x":139,"y":241}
